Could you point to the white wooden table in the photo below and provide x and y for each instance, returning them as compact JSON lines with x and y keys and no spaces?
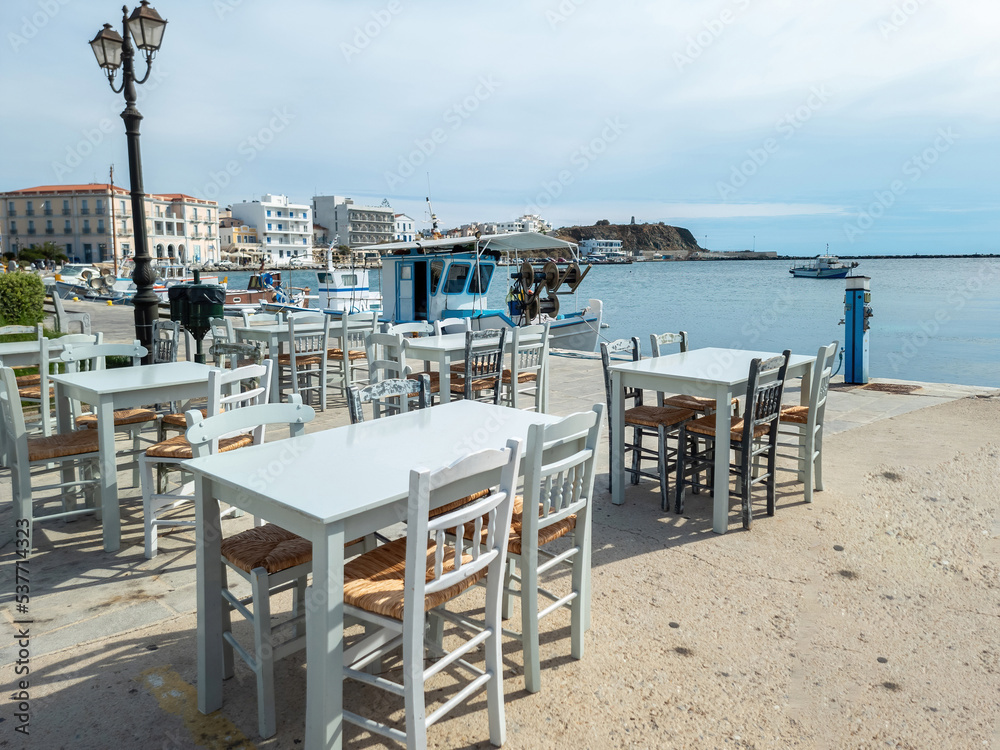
{"x":122,"y":388}
{"x":716,"y":373}
{"x":25,"y":353}
{"x":328,"y":487}
{"x":273,"y":336}
{"x":450,"y":347}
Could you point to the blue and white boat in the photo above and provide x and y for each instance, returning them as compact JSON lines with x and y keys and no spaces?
{"x":823,"y":267}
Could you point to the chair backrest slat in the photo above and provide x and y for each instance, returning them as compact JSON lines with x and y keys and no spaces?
{"x":820,"y":385}
{"x":658,"y":341}
{"x":484,"y":362}
{"x":400,"y":390}
{"x":166,"y":334}
{"x":621,"y":346}
{"x":765,"y":385}
{"x":85,"y":357}
{"x":204,"y":432}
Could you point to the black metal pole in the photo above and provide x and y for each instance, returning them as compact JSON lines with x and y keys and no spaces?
{"x":145,"y":301}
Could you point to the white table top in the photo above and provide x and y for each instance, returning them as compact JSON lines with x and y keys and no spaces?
{"x":709,"y":365}
{"x":27,"y":347}
{"x":131,"y":378}
{"x":335,"y":474}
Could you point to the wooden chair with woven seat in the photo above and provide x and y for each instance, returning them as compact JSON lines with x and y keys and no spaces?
{"x":753,"y":435}
{"x":349,"y":358}
{"x":128,"y":422}
{"x":703,"y":404}
{"x":660,"y":422}
{"x":525,"y":378}
{"x":221,"y":330}
{"x":412,"y":330}
{"x":452,"y":325}
{"x":559,"y":485}
{"x":481,"y":375}
{"x":802,"y":426}
{"x":43,"y":454}
{"x":270,"y":558}
{"x":397,"y":587}
{"x":260,"y":318}
{"x":228,"y":390}
{"x":166,"y":336}
{"x":306,"y":363}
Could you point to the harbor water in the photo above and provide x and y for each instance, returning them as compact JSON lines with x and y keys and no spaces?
{"x":936,"y":319}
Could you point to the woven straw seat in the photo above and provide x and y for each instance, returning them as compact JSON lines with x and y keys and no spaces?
{"x":796,"y":414}
{"x":352,"y":354}
{"x":706,"y":426}
{"x":69,"y":444}
{"x":26,"y":380}
{"x":698,"y":403}
{"x":545,"y":535}
{"x":33,"y":392}
{"x":178,"y":419}
{"x":478,"y":384}
{"x":448,"y":507}
{"x":269,"y":547}
{"x":312,"y":359}
{"x":522,"y":377}
{"x":654,"y":416}
{"x":375,"y":580}
{"x":178,"y":448}
{"x":122,"y":417}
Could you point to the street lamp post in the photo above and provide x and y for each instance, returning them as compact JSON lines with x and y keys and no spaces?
{"x":113,"y":51}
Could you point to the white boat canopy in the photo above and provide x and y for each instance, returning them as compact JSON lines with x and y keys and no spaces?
{"x":512,"y":242}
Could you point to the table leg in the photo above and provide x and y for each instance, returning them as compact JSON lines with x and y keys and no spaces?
{"x":208,"y":538}
{"x":720,"y":497}
{"x":325,"y":642}
{"x":444,"y":365}
{"x":111,"y":519}
{"x":616,"y":461}
{"x":804,"y":395}
{"x":274,"y":350}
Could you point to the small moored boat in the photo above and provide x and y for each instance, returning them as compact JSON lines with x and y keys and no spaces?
{"x":823,"y":267}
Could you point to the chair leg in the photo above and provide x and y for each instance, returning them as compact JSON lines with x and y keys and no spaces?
{"x":22,"y":505}
{"x":818,"y":460}
{"x":636,"y":454}
{"x":661,"y":463}
{"x":413,"y":687}
{"x":148,"y":511}
{"x":746,"y":487}
{"x":494,"y":666}
{"x":228,"y":662}
{"x":580,"y":606}
{"x":682,"y":445}
{"x":529,"y":621}
{"x":507,"y":604}
{"x":264,"y":652}
{"x":136,"y":446}
{"x":772,"y":460}
{"x":809,"y":467}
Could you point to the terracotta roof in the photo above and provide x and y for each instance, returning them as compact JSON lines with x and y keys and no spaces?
{"x":93,"y":186}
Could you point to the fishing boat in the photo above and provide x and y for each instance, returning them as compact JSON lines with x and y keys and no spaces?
{"x":823,"y":267}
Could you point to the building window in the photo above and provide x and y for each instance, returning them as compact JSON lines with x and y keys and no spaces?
{"x":66,"y":207}
{"x":30,"y":210}
{"x":67,"y":229}
{"x":48,"y":226}
{"x":195,"y":214}
{"x":269,"y":227}
{"x":100,"y":226}
{"x":303,"y":240}
{"x":48,"y":208}
{"x":279,"y":213}
{"x":86,"y":226}
{"x":69,"y":249}
{"x":268,"y":240}
{"x":31,"y":226}
{"x":268,"y":212}
{"x":124,"y":226}
{"x":100,"y":206}
{"x":281,"y":253}
{"x":84,"y":208}
{"x":13,"y":227}
{"x":122,"y":204}
{"x":10,"y":208}
{"x":280,"y":226}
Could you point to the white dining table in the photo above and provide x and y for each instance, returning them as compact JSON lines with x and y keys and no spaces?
{"x":450,"y":347}
{"x":122,"y":388}
{"x":26,"y":353}
{"x":714,"y":372}
{"x":329,"y":487}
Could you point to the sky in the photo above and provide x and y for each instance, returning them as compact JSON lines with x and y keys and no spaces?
{"x":869,"y":126}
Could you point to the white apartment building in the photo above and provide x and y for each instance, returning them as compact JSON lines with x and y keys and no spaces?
{"x":527,"y":223}
{"x":405,"y":228}
{"x":600,"y":246}
{"x":92,"y":223}
{"x":355,"y":225}
{"x":284,"y":230}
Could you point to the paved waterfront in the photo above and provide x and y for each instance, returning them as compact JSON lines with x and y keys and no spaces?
{"x":868,"y":618}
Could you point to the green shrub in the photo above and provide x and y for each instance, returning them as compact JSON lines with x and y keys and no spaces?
{"x":21,"y":298}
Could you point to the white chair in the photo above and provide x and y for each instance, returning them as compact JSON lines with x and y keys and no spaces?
{"x":24,"y":453}
{"x":558,"y":491}
{"x":227,"y":390}
{"x":260,"y":318}
{"x":397,"y":587}
{"x":222,"y":332}
{"x":412,"y":330}
{"x":348,"y":359}
{"x":270,"y":558}
{"x":166,"y":335}
{"x":128,"y":422}
{"x":525,"y":378}
{"x":452,"y":325}
{"x":804,"y":425}
{"x":306,"y":363}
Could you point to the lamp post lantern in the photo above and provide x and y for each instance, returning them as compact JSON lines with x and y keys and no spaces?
{"x":113,"y":51}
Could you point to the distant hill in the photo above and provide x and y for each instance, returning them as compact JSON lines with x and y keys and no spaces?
{"x":645,"y":239}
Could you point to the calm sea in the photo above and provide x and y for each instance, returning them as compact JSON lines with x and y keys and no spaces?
{"x":936,"y":319}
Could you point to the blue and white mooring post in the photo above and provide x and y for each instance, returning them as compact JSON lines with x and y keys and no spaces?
{"x":857,"y":311}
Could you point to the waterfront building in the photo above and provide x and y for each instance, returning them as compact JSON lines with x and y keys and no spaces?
{"x":284,"y":229}
{"x":602,"y":247}
{"x":356,"y":225}
{"x":239,"y":241}
{"x":405,"y":228}
{"x":526,"y":223}
{"x":92,"y":223}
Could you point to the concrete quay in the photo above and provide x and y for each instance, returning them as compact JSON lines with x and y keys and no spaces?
{"x":869,"y":618}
